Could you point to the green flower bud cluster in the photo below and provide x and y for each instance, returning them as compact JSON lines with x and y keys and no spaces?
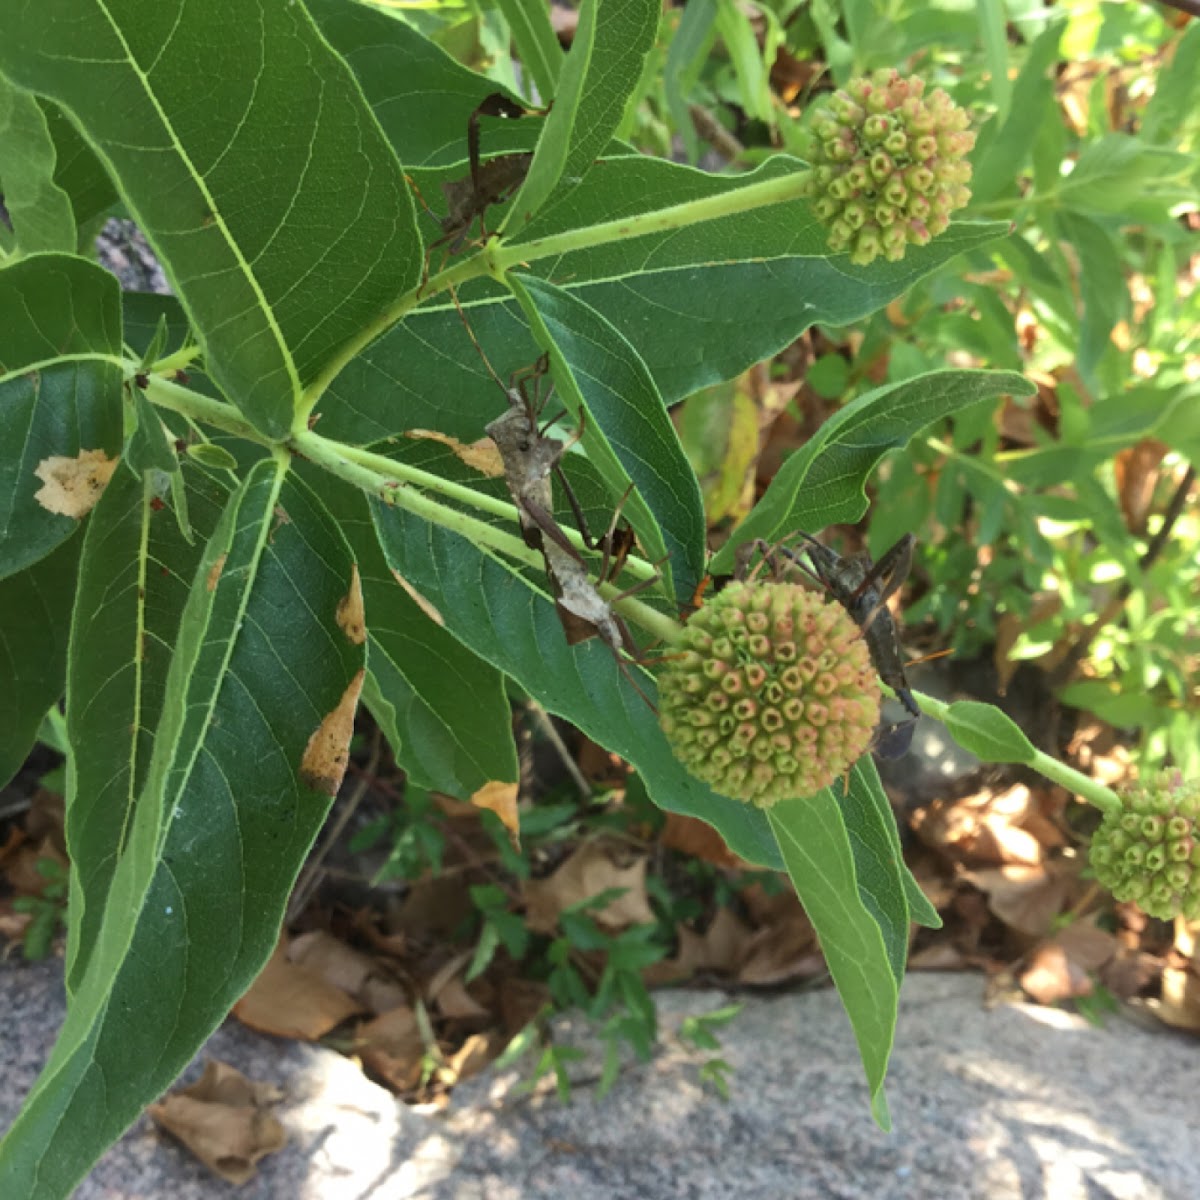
{"x":772,"y":694}
{"x":1149,"y":852}
{"x":888,"y":165}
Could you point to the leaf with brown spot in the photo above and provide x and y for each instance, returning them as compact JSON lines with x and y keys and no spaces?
{"x":323,"y":765}
{"x":351,"y":617}
{"x":214,"y":573}
{"x":501,"y":798}
{"x":480,"y":455}
{"x":426,"y":606}
{"x":222,"y":1120}
{"x":71,"y":486}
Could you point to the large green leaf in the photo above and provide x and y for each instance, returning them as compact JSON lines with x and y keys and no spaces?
{"x":698,"y":304}
{"x":625,"y":428}
{"x":134,"y":579}
{"x":443,"y":708}
{"x":536,"y":43}
{"x":504,"y":619}
{"x":823,"y":864}
{"x":35,"y":615}
{"x":60,"y":390}
{"x":608,"y":50}
{"x":80,"y":174}
{"x":399,"y":71}
{"x":40,"y":210}
{"x":823,"y":483}
{"x":249,"y":747}
{"x":244,"y":148}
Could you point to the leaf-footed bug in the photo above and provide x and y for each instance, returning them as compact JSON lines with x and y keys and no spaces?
{"x":863,"y":587}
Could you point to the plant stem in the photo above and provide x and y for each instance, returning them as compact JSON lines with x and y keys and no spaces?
{"x":502,"y":256}
{"x":178,"y":399}
{"x":1091,"y":790}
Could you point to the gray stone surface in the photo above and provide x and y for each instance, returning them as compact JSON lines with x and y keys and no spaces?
{"x":1018,"y":1102}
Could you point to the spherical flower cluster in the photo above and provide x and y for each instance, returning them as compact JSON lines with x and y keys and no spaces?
{"x":888,"y":165}
{"x":1149,"y":851}
{"x":772,"y":694}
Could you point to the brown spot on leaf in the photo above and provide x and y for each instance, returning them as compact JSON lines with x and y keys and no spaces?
{"x":73,"y":485}
{"x":480,"y":455}
{"x":426,"y":606}
{"x":214,"y":573}
{"x":350,"y":616}
{"x":501,"y":798}
{"x":328,"y":751}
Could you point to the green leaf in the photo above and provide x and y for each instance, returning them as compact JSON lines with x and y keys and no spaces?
{"x":1004,"y":150}
{"x":872,"y":826}
{"x":444,"y":709}
{"x":135,"y":572}
{"x":261,"y":678}
{"x":988,"y":733}
{"x":821,"y":863}
{"x":398,"y":71}
{"x":699,"y":304}
{"x":601,"y":72}
{"x":35,"y":616}
{"x":1117,"y":173}
{"x":149,"y":447}
{"x":686,"y":55}
{"x":1101,"y":285}
{"x":537,"y":43}
{"x":60,"y":391}
{"x":80,"y":174}
{"x":823,"y":482}
{"x":504,"y":619}
{"x":40,"y":210}
{"x":626,"y":432}
{"x":1176,"y":100}
{"x":228,"y":132}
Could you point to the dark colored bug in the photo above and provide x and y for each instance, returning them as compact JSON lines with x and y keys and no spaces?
{"x":863,"y":588}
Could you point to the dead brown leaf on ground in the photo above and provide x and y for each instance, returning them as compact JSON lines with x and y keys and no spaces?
{"x":447,"y":992}
{"x":362,"y":977}
{"x":698,"y":839}
{"x":719,"y":949}
{"x":222,"y":1120}
{"x":590,"y":870}
{"x":501,"y":798}
{"x":291,"y":1000}
{"x":1028,"y":898}
{"x":1180,"y":1004}
{"x":391,"y":1048}
{"x":992,"y":827}
{"x":1066,"y":966}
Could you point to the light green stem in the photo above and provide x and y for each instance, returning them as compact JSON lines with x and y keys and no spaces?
{"x":1091,"y":790}
{"x":377,"y":475}
{"x":178,"y":399}
{"x":502,"y":256}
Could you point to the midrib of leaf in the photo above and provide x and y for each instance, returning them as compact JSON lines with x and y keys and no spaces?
{"x":44,"y":363}
{"x":165,"y":781}
{"x":213,"y":206}
{"x":172,"y":731}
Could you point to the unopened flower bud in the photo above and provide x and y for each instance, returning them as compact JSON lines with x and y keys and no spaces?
{"x":882,"y":140}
